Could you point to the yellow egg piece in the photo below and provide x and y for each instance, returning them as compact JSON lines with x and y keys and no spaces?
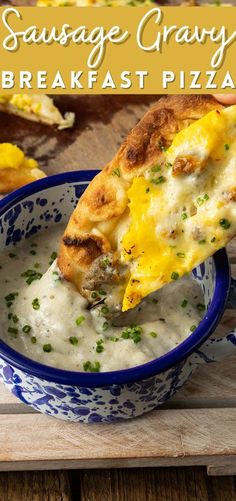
{"x":10,"y":156}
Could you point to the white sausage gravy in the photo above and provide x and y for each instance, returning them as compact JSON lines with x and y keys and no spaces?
{"x":45,"y":318}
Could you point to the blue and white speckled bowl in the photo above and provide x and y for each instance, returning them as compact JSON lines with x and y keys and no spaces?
{"x":108,"y":396}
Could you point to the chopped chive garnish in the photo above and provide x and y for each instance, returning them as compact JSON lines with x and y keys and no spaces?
{"x":94,"y":295}
{"x":201,"y":200}
{"x":53,"y":257}
{"x":192,"y":328}
{"x":213,"y":239}
{"x":201,"y":307}
{"x":55,"y":276}
{"x":26,"y":329}
{"x":125,"y":335}
{"x":169,"y":165}
{"x":226,"y":147}
{"x":99,"y":347}
{"x":33,"y":339}
{"x":180,"y":254}
{"x":36,"y":265}
{"x":154,"y":300}
{"x":104,"y":310}
{"x":174,"y":275}
{"x":133,"y":332}
{"x":33,"y":252}
{"x":116,"y":172}
{"x":12,"y":317}
{"x":156,"y":168}
{"x":224,"y":223}
{"x":79,"y":320}
{"x":153,"y":334}
{"x":73,"y":340}
{"x":184,"y":303}
{"x":202,"y":241}
{"x":147,"y":190}
{"x":11,"y":296}
{"x":105,"y":326}
{"x":136,"y":337}
{"x":37,"y":276}
{"x":35,"y":303}
{"x":158,"y":180}
{"x":12,"y":330}
{"x":47,"y":348}
{"x":11,"y":254}
{"x":106,"y":262}
{"x":34,"y":244}
{"x":184,"y":215}
{"x":92,"y":367}
{"x":102,"y":293}
{"x":114,"y":339}
{"x":31,"y":275}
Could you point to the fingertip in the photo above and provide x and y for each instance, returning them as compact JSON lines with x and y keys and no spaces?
{"x":226,"y":98}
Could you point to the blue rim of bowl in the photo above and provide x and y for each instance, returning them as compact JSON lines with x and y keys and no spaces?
{"x":125,"y":376}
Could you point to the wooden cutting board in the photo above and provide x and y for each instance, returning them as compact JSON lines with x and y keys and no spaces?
{"x":197,"y":427}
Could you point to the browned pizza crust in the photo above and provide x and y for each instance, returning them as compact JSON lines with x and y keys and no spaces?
{"x":91,"y":233}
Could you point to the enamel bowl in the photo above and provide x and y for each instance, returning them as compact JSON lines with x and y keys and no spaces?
{"x":108,"y":396}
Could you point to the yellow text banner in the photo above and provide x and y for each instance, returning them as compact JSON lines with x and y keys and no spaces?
{"x":117,"y":50}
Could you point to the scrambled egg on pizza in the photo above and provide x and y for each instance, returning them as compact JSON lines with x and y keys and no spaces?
{"x":184,"y":208}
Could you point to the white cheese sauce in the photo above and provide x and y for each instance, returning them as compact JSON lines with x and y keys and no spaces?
{"x":49,"y":321}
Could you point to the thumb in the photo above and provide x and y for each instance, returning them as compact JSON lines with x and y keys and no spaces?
{"x":226,"y":98}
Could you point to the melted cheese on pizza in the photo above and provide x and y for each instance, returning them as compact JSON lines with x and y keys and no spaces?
{"x":184,"y":209}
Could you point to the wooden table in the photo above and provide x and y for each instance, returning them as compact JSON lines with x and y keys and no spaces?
{"x":196,"y":428}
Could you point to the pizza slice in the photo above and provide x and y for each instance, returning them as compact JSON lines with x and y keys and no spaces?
{"x":38,"y":108}
{"x":16,"y":169}
{"x":164,"y":204}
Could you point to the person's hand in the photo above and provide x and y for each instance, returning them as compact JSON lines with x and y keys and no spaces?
{"x":226,"y":98}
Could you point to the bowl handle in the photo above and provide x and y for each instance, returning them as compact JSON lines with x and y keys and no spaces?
{"x":215,"y":349}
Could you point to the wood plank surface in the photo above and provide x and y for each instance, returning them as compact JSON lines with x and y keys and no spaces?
{"x":151,"y":484}
{"x":35,"y":486}
{"x":172,"y":484}
{"x":161,"y":438}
